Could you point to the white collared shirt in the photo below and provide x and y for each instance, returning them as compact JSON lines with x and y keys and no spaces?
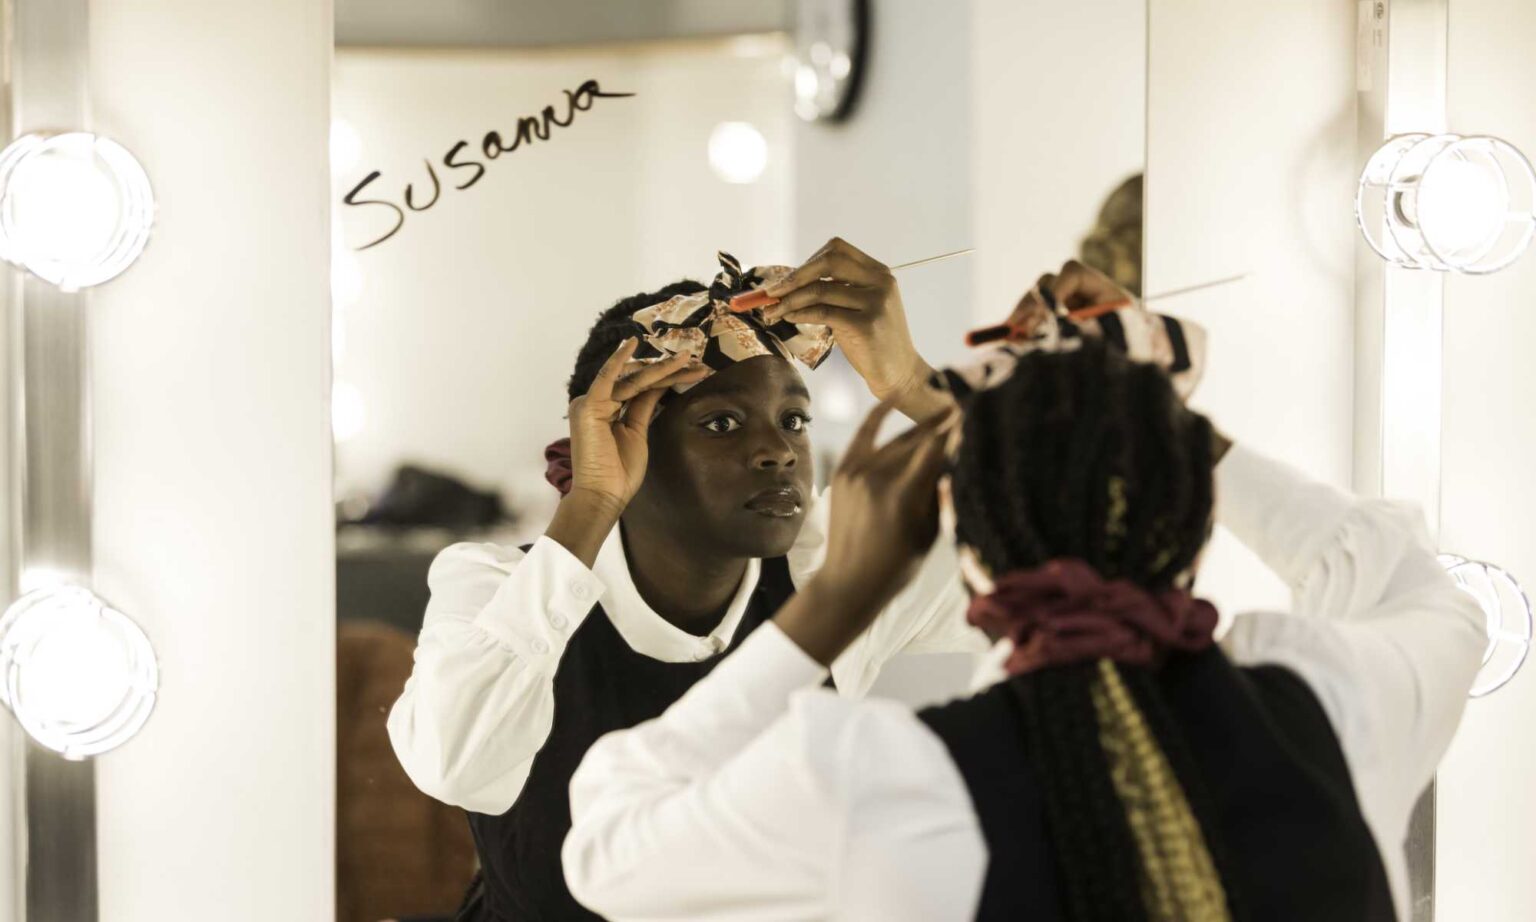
{"x":758,"y":796}
{"x":480,"y":700}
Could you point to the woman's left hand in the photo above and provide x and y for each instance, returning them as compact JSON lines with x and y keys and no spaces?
{"x":885,"y":516}
{"x":857,"y":296}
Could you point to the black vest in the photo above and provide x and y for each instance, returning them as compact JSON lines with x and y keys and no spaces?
{"x":601,"y":685}
{"x":1272,"y":769}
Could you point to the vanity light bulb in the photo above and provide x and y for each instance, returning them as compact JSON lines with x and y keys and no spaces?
{"x":75,"y":209}
{"x":1447,"y":202}
{"x":79,"y":676}
{"x":1507,"y":618}
{"x":1462,"y":205}
{"x":738,"y":152}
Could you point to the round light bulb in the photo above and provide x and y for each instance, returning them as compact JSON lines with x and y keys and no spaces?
{"x":1447,"y":202}
{"x":1461,"y":205}
{"x":1507,"y":619}
{"x":75,"y":209}
{"x":80,"y":676}
{"x":738,"y":152}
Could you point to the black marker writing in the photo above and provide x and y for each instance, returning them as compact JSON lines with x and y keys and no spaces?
{"x":492,"y":146}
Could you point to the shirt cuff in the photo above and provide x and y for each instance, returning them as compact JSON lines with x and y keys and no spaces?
{"x":542,"y":602}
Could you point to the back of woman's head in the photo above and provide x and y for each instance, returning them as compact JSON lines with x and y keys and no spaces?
{"x":1089,"y":455}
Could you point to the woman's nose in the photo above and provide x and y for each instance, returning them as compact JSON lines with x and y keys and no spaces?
{"x":774,"y":451}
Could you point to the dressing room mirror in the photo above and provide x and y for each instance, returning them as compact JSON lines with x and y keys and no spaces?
{"x":502,"y":172}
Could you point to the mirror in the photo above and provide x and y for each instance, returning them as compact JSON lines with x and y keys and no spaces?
{"x":503,"y":173}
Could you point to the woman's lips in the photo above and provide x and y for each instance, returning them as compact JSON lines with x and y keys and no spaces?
{"x":778,"y":503}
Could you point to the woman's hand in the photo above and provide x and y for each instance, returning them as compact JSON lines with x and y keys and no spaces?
{"x":1074,"y":287}
{"x":610,"y":422}
{"x":609,"y":427}
{"x":856,"y":295}
{"x":885,"y":515}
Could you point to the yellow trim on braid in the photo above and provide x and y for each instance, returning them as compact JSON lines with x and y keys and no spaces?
{"x":1179,"y":881}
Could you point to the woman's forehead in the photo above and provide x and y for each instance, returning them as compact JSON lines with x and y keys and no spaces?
{"x":763,"y":377}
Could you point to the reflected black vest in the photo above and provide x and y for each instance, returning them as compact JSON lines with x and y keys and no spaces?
{"x":1272,"y":768}
{"x":601,"y":685}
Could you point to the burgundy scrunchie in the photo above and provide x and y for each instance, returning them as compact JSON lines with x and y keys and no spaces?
{"x":557,"y":461}
{"x":1065,"y":613}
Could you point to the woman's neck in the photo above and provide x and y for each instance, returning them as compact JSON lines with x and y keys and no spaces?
{"x":688,"y":588}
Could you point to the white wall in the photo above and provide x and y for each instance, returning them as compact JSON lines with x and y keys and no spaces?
{"x":213,"y":520}
{"x":895,"y":180}
{"x":1059,"y":123}
{"x":1487,"y":802}
{"x":470,"y":318}
{"x":1250,"y":168}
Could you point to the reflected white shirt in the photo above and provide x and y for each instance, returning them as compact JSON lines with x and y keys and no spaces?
{"x":760,"y":796}
{"x":480,"y":700}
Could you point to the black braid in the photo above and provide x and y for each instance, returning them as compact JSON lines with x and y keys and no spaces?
{"x":615,"y":325}
{"x":1044,"y":456}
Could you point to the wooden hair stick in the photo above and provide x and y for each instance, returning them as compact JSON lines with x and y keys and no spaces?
{"x":757,"y":298}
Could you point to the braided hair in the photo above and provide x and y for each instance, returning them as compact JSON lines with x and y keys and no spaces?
{"x":1087,"y":454}
{"x":615,"y":325}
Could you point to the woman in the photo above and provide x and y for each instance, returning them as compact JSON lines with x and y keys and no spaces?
{"x":1116,"y":764}
{"x":689,"y":518}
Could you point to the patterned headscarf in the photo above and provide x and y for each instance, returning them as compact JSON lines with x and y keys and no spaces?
{"x":704,"y":325}
{"x":1174,"y":345}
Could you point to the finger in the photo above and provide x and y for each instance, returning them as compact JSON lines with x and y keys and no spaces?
{"x":840,"y":245}
{"x":608,"y":375}
{"x":639,"y":412}
{"x":825,"y":294}
{"x":862,"y":446}
{"x":1078,"y":286}
{"x":646,"y":377}
{"x":835,"y":265}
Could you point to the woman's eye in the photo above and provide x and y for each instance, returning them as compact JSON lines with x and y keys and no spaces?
{"x":722,"y":424}
{"x":797,"y":422}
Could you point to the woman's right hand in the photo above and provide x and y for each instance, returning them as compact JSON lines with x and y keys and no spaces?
{"x":610,"y":422}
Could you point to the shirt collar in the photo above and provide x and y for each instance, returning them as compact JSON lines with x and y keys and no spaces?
{"x":648,"y":633}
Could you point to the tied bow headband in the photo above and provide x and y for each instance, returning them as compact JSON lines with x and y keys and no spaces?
{"x":703,"y":325}
{"x":1065,"y":613}
{"x":1173,"y":345}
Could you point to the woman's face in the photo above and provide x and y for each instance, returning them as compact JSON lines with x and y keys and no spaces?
{"x":730,"y":461}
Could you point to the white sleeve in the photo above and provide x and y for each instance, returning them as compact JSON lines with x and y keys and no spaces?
{"x":927,"y":616}
{"x":1380,"y":633}
{"x":480,"y":700}
{"x":758,"y":796}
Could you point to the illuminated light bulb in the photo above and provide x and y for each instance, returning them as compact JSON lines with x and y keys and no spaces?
{"x":348,"y":412}
{"x":346,"y":146}
{"x":841,"y":66}
{"x":75,"y":209}
{"x":1461,"y":206}
{"x":1447,"y":202}
{"x":79,"y":675}
{"x":738,"y":152}
{"x":1507,"y":619}
{"x":807,"y":84}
